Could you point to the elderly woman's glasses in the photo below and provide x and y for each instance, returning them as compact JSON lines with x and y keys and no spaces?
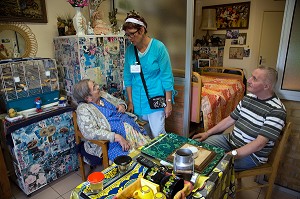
{"x":95,"y":87}
{"x":131,"y":34}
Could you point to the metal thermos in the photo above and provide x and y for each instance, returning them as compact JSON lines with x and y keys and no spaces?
{"x":183,"y":162}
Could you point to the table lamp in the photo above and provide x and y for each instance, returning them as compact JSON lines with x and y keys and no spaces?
{"x":208,"y":23}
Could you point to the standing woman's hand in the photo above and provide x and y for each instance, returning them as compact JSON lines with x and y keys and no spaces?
{"x":130,"y":107}
{"x":168,"y":109}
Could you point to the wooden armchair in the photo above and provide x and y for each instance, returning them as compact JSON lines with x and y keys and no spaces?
{"x":270,"y":168}
{"x":101,"y":143}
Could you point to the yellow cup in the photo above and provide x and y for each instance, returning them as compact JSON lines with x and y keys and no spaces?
{"x":144,"y":193}
{"x":159,"y":195}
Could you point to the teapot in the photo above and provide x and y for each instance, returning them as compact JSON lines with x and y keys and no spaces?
{"x":144,"y":193}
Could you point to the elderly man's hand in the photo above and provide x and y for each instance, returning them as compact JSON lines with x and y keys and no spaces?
{"x":201,"y":136}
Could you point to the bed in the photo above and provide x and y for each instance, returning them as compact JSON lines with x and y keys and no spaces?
{"x":215,"y":93}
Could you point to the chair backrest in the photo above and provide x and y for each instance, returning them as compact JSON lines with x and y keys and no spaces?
{"x":101,"y":143}
{"x":276,"y":154}
{"x":78,"y":134}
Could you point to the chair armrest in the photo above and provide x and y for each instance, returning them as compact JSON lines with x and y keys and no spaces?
{"x":99,"y":142}
{"x":104,"y":145}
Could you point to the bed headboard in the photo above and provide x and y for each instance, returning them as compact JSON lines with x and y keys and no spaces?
{"x":223,"y":72}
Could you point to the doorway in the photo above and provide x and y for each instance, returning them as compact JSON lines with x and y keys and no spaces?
{"x":270,"y":38}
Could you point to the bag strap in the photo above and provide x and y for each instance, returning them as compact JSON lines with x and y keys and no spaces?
{"x":141,"y":73}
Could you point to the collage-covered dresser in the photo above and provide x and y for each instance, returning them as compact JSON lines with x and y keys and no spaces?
{"x":42,"y":148}
{"x":100,"y":58}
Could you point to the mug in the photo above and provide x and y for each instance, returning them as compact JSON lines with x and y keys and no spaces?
{"x":96,"y":181}
{"x":144,"y":193}
{"x":123,"y":162}
{"x":170,"y":185}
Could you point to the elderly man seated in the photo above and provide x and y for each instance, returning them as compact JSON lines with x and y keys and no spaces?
{"x":258,"y":121}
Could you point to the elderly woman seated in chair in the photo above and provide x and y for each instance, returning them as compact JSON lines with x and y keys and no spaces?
{"x":101,"y":116}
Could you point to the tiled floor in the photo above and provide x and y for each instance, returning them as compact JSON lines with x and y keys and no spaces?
{"x":62,"y":188}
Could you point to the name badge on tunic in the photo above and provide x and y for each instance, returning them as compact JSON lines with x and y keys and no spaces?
{"x":135,"y":68}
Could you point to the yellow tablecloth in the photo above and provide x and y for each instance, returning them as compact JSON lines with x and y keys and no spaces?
{"x":220,"y":182}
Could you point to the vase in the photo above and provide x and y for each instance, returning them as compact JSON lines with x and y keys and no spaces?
{"x":79,"y":22}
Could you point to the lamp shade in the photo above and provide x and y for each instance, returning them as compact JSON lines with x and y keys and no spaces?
{"x":209,"y":19}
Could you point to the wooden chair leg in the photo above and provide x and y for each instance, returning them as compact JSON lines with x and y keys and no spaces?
{"x":270,"y":187}
{"x":81,"y":167}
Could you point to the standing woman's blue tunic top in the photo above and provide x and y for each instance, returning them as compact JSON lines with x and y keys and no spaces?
{"x":157,"y":70}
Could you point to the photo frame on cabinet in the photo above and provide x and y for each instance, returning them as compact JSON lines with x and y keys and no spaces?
{"x":23,"y":11}
{"x":232,"y":16}
{"x":236,"y":53}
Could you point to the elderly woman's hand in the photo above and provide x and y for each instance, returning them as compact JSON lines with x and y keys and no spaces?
{"x":125,"y":145}
{"x":121,"y":108}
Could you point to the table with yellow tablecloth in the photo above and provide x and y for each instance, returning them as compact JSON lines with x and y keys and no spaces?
{"x":219,"y":174}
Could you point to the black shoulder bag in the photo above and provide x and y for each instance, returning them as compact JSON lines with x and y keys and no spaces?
{"x":154,"y":102}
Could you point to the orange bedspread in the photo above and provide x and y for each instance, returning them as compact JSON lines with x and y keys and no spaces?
{"x":220,"y":95}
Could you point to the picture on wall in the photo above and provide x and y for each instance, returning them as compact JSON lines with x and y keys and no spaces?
{"x":236,"y":53}
{"x":23,"y":11}
{"x":232,"y":16}
{"x":247,"y":52}
{"x":203,"y":63}
{"x":242,"y":38}
{"x":218,"y":39}
{"x":232,"y":34}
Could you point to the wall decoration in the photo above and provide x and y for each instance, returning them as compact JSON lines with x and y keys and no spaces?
{"x":242,"y":38}
{"x":232,"y":16}
{"x":23,"y":11}
{"x":218,"y":39}
{"x":203,"y":63}
{"x":236,"y":53}
{"x":234,"y":42}
{"x":247,"y":52}
{"x":232,"y":34}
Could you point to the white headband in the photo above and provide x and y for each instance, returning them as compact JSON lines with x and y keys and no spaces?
{"x":133,"y":20}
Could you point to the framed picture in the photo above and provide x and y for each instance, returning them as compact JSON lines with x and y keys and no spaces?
{"x":232,"y":16}
{"x":232,"y":34}
{"x":218,"y":39}
{"x":203,"y":63}
{"x":236,"y":53}
{"x":23,"y":11}
{"x":242,"y":38}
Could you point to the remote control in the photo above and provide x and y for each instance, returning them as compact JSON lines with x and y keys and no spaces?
{"x":145,"y":161}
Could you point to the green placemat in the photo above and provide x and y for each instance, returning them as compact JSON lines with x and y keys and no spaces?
{"x":162,"y":146}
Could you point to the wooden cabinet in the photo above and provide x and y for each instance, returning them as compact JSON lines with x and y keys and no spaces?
{"x":42,"y":148}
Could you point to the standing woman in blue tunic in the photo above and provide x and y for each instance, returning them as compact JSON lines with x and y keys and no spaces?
{"x":156,"y":67}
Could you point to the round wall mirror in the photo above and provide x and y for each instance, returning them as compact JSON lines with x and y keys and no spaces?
{"x":16,"y":41}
